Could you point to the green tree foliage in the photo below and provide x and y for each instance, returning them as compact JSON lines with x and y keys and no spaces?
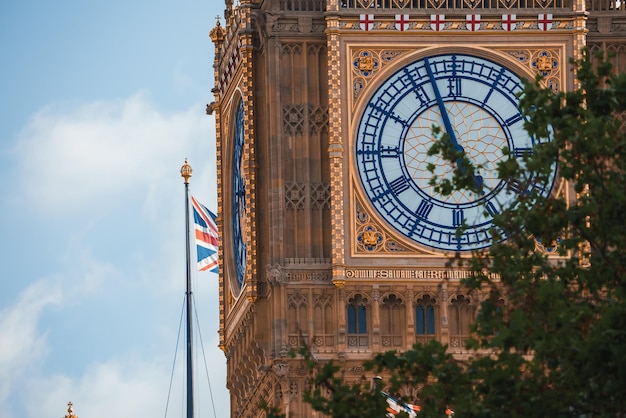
{"x":550,"y":338}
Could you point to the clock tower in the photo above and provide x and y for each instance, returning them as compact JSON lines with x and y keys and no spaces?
{"x":331,"y":234}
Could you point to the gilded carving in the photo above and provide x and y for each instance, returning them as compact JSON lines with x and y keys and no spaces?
{"x":547,"y":249}
{"x":370,"y":238}
{"x":366,"y":63}
{"x":546,"y":62}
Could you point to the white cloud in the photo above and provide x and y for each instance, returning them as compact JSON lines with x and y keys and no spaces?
{"x":114,"y":389}
{"x":128,"y":389}
{"x":22,"y":345}
{"x":124,"y":383}
{"x":72,"y":157}
{"x":91,"y":156}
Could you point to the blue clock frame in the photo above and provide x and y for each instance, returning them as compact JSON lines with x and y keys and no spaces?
{"x":238,"y":197}
{"x":473,"y":99}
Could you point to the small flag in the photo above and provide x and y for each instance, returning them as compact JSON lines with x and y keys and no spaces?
{"x":402,"y":22}
{"x":508,"y":22}
{"x":394,"y":407}
{"x":366,"y":21}
{"x":473,"y":22}
{"x":437,"y":22}
{"x":545,"y":21}
{"x":206,"y":237}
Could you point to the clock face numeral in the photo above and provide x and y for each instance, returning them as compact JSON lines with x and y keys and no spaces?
{"x":491,"y":209}
{"x":454,"y":87}
{"x":475,"y":101}
{"x":519,"y":152}
{"x":424,"y":209}
{"x":513,"y":119}
{"x":457,"y":217}
{"x":399,"y":185}
{"x":516,"y":186}
{"x":389,"y":152}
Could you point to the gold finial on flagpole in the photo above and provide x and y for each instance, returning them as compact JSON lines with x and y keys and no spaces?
{"x":185,"y":171}
{"x":70,"y":410}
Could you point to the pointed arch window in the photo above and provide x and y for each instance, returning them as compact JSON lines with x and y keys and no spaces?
{"x":357,"y":321}
{"x":461,"y":313}
{"x":392,"y":321}
{"x":323,"y":320}
{"x":298,"y":319}
{"x":425,"y":318}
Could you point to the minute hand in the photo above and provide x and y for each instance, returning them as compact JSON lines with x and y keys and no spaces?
{"x":442,"y":108}
{"x":478,"y":180}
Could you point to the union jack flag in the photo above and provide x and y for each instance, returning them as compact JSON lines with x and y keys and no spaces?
{"x":206,"y":237}
{"x":394,"y":407}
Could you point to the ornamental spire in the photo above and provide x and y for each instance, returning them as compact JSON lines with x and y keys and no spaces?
{"x":70,"y":409}
{"x":185,"y":171}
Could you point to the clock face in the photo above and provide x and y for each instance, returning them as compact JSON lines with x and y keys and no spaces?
{"x":238,"y":198}
{"x":474,"y":101}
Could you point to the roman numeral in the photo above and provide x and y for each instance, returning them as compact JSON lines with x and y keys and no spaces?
{"x":513,"y":119}
{"x":454,"y":87}
{"x":491,"y":209}
{"x":389,"y":152}
{"x":399,"y":185}
{"x":421,"y":95}
{"x":515,"y":186}
{"x":457,"y":217}
{"x":424,"y":208}
{"x":519,"y":152}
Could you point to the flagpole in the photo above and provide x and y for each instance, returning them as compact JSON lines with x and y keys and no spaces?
{"x":185,"y":172}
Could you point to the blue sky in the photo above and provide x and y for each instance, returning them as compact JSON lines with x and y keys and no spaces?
{"x":100,"y":103}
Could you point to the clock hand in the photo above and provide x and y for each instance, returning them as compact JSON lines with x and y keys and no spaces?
{"x":478,"y":180}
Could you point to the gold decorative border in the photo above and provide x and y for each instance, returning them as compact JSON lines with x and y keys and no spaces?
{"x":369,"y":235}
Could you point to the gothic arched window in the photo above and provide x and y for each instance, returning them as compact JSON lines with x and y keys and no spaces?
{"x":323,"y":320}
{"x":357,"y":321}
{"x":298,"y":319}
{"x":425,"y":316}
{"x":461,"y":317}
{"x":392,"y":321}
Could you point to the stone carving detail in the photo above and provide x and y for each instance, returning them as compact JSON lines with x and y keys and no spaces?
{"x":281,"y":369}
{"x":291,"y":49}
{"x":323,"y":300}
{"x":295,"y":195}
{"x":358,"y":370}
{"x":544,"y":3}
{"x":400,"y":4}
{"x":508,"y":3}
{"x":471,"y":4}
{"x":320,"y":196}
{"x":318,"y":119}
{"x":436,"y":4}
{"x":293,"y":119}
{"x":274,"y":274}
{"x":366,"y":63}
{"x":366,"y":3}
{"x":547,"y":249}
{"x":357,"y":85}
{"x":301,"y":370}
{"x":544,"y":62}
{"x":297,"y":300}
{"x":293,"y":388}
{"x":370,"y":238}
